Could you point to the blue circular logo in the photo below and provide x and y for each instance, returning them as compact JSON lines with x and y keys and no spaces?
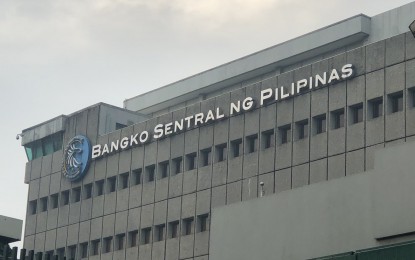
{"x":76,"y":158}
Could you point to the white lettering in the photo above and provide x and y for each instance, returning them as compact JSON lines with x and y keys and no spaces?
{"x":333,"y":76}
{"x":301,"y":84}
{"x":124,"y":143}
{"x":347,"y":71}
{"x":199,"y":118}
{"x":210,"y":116}
{"x":218,"y":114}
{"x":265,"y":94}
{"x":187,"y":119}
{"x":321,"y":81}
{"x":178,"y":126}
{"x":114,"y":146}
{"x":168,"y":128}
{"x":144,"y":137}
{"x":105,"y":150}
{"x":248,"y":104}
{"x":133,"y":140}
{"x":158,"y":131}
{"x":235,"y":108}
{"x":96,"y":151}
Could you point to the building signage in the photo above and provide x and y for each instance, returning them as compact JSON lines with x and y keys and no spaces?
{"x":266,"y":96}
{"x":76,"y":158}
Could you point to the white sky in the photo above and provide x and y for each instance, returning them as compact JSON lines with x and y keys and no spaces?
{"x":59,"y":56}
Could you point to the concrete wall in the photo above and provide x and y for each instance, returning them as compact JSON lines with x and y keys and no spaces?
{"x":341,"y":215}
{"x":383,"y":68}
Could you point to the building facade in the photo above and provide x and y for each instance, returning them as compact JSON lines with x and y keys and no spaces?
{"x":202,"y":168}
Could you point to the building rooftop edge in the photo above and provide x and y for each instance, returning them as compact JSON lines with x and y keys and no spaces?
{"x":333,"y":33}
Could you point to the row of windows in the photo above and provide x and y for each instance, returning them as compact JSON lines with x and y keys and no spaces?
{"x":136,"y":237}
{"x":44,"y":146}
{"x":374,"y":110}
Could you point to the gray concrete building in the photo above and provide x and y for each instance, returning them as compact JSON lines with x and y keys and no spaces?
{"x":302,"y":150}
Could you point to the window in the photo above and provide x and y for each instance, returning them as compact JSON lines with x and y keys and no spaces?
{"x":60,"y":252}
{"x":84,"y":250}
{"x":188,"y":226}
{"x":206,"y":157}
{"x":99,"y":188}
{"x":337,"y":118}
{"x":88,"y":191}
{"x":202,"y":223}
{"x":32,"y":207}
{"x":302,"y":129}
{"x":150,"y":171}
{"x":132,"y":238}
{"x":49,"y":254}
{"x":177,"y":165}
{"x":145,"y":236}
{"x":285,"y":134}
{"x":164,"y":169}
{"x":95,"y":247}
{"x":191,"y":161}
{"x":119,"y":126}
{"x":173,"y":229}
{"x":43,"y":204}
{"x":44,"y":146}
{"x":236,"y":146}
{"x":412,"y":97}
{"x":221,"y":152}
{"x":71,"y":252}
{"x":375,"y":108}
{"x":356,"y":113}
{"x":120,"y":241}
{"x":251,"y":143}
{"x":136,"y":176}
{"x":76,"y":194}
{"x":54,"y":201}
{"x":396,"y":102}
{"x":159,"y":232}
{"x":267,"y":139}
{"x":107,"y":245}
{"x":123,"y":181}
{"x":111,"y":184}
{"x":319,"y":124}
{"x":64,"y":198}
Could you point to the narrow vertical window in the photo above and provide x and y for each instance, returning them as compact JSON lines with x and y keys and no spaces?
{"x":84,"y":250}
{"x":202,"y":223}
{"x":191,"y":161}
{"x":99,"y":188}
{"x":375,"y":108}
{"x":132,"y":238}
{"x":188,"y":226}
{"x":95,"y":247}
{"x":251,"y":143}
{"x":150,"y":171}
{"x":177,"y":165}
{"x":123,"y":180}
{"x":302,"y":129}
{"x":285,"y":134}
{"x":337,"y":118}
{"x":107,"y":245}
{"x":206,"y":156}
{"x":236,"y":146}
{"x":136,"y":176}
{"x":43,"y":204}
{"x":33,"y":207}
{"x":64,"y":197}
{"x":319,"y":124}
{"x":120,"y":241}
{"x":356,"y":113}
{"x":76,"y":194}
{"x":267,"y":139}
{"x":54,"y":201}
{"x":111,"y":184}
{"x":88,"y":191}
{"x":164,"y":169}
{"x":146,"y":236}
{"x":159,"y":232}
{"x":173,"y":229}
{"x":396,"y":102}
{"x":221,"y":152}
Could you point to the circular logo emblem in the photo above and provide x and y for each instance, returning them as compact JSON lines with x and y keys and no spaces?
{"x":76,"y":158}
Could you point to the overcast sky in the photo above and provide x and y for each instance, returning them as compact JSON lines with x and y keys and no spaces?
{"x":57,"y":56}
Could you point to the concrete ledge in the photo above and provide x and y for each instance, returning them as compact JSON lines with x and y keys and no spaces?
{"x":304,"y":47}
